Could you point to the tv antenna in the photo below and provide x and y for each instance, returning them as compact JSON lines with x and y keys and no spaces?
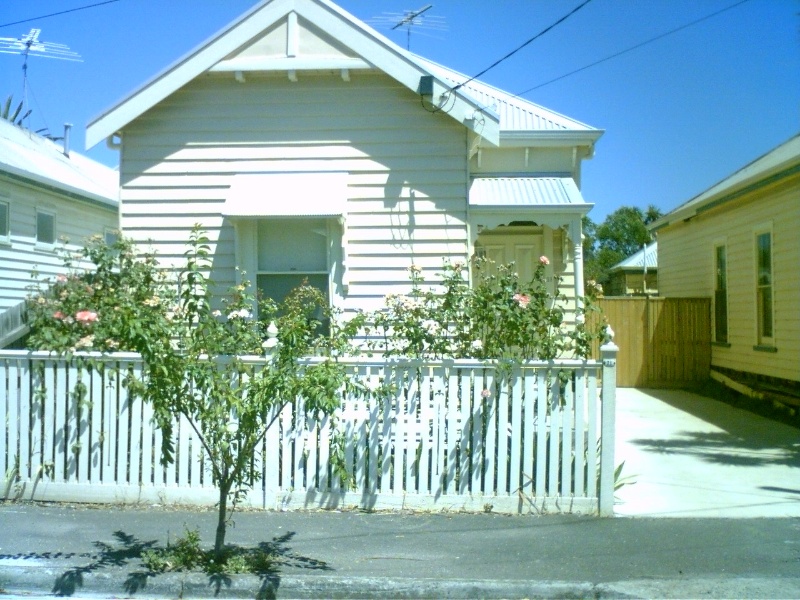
{"x":30,"y":45}
{"x":409,"y":19}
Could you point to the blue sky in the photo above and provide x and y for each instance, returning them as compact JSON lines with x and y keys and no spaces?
{"x":680,"y":113}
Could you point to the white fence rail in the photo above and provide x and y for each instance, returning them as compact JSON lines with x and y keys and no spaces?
{"x":451,"y":437}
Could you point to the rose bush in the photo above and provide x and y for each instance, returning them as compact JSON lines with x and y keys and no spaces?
{"x":499,"y":317}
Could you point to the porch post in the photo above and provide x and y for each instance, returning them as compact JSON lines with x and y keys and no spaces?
{"x":576,"y":238}
{"x":608,"y":354}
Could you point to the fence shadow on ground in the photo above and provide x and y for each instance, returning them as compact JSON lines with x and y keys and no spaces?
{"x":741,"y":438}
{"x":128,"y":552}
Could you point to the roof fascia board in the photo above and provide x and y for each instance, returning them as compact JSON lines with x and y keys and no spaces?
{"x":61,"y":190}
{"x":570,"y":209}
{"x":719,"y":199}
{"x":383,"y":54}
{"x":539,"y":139}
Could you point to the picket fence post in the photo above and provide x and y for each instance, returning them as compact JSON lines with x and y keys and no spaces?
{"x":608,"y":356}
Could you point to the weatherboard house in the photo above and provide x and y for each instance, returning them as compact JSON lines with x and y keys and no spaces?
{"x":636,"y":275}
{"x":50,"y":198}
{"x":308,"y":145}
{"x":737,"y":243}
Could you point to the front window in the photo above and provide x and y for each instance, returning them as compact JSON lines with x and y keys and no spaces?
{"x":45,"y":228}
{"x":764,"y":287}
{"x":721,"y":294}
{"x":291,"y":251}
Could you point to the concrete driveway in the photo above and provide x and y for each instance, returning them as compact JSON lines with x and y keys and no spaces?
{"x":691,"y":456}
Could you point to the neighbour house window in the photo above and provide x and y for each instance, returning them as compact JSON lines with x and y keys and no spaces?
{"x":291,"y":251}
{"x":111,"y":236}
{"x":764,"y":287}
{"x":721,"y":294}
{"x":5,"y":221}
{"x":45,"y":228}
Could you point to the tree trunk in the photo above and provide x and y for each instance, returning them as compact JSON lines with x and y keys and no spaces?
{"x":219,"y":541}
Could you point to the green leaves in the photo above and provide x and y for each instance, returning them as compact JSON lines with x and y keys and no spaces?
{"x":500,"y":317}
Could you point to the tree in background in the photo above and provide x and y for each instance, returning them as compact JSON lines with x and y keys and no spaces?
{"x":623,"y":233}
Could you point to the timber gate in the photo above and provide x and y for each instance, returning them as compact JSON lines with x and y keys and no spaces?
{"x":664,"y":342}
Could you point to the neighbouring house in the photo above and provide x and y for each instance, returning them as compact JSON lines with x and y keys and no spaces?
{"x":309,"y":146}
{"x":48,"y":195}
{"x":637,"y":275}
{"x":738,"y":243}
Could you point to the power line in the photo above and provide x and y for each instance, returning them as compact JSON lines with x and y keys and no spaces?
{"x":635,"y":47}
{"x":63,"y":12}
{"x":513,"y":52}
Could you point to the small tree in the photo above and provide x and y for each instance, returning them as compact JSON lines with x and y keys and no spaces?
{"x":192,"y":353}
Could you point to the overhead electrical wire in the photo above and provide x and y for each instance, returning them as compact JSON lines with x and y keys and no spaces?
{"x":635,"y":47}
{"x":513,"y":52}
{"x":63,"y":12}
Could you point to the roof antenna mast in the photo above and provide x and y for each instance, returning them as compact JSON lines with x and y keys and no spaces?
{"x":29,"y":45}
{"x":410,"y":18}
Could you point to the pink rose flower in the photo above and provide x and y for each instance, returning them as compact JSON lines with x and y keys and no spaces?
{"x":544,"y":260}
{"x":522,"y":299}
{"x":58,"y":315}
{"x":85,"y":316}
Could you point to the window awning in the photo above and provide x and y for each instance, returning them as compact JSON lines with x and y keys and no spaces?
{"x":287,"y":195}
{"x":515,"y":193}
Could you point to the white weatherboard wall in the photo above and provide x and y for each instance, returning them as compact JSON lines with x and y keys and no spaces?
{"x":407,"y":173}
{"x":76,"y":220}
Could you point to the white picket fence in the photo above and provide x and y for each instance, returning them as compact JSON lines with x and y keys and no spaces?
{"x":532,"y":445}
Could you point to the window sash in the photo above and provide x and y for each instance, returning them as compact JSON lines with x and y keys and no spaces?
{"x":721,"y":295}
{"x":45,"y":228}
{"x":764,"y":286}
{"x":5,"y":220}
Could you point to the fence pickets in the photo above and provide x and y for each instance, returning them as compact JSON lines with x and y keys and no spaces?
{"x":455,"y":435}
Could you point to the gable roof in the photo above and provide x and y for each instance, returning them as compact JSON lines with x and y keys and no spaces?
{"x":265,"y":38}
{"x":31,"y":158}
{"x":647,"y":256}
{"x":776,"y":164}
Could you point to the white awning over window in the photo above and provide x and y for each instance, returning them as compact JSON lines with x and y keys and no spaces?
{"x":287,"y":195}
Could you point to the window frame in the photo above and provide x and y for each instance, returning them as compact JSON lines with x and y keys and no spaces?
{"x":5,"y":206}
{"x":39,"y":242}
{"x":764,"y":339}
{"x":720,"y":245}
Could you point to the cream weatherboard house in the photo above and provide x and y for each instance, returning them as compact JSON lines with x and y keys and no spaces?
{"x":738,"y":243}
{"x":47,"y":194}
{"x":307,"y":145}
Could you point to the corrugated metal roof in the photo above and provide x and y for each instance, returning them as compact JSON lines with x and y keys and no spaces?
{"x":35,"y":158}
{"x":524,"y":191}
{"x":516,"y":114}
{"x":637,"y":261}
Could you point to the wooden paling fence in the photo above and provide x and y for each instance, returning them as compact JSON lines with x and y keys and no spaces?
{"x":450,"y":435}
{"x":664,"y":342}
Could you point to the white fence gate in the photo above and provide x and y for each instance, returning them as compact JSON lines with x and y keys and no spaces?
{"x":453,"y":436}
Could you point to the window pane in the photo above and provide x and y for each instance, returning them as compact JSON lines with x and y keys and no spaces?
{"x":45,"y":228}
{"x":764,"y":259}
{"x":4,"y":219}
{"x":278,"y":287}
{"x":765,"y":311}
{"x":293,"y":245}
{"x":722,"y":278}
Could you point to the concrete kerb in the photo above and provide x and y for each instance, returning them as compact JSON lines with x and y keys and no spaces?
{"x":27,"y":581}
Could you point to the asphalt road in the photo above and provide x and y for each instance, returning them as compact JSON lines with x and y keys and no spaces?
{"x":90,"y":551}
